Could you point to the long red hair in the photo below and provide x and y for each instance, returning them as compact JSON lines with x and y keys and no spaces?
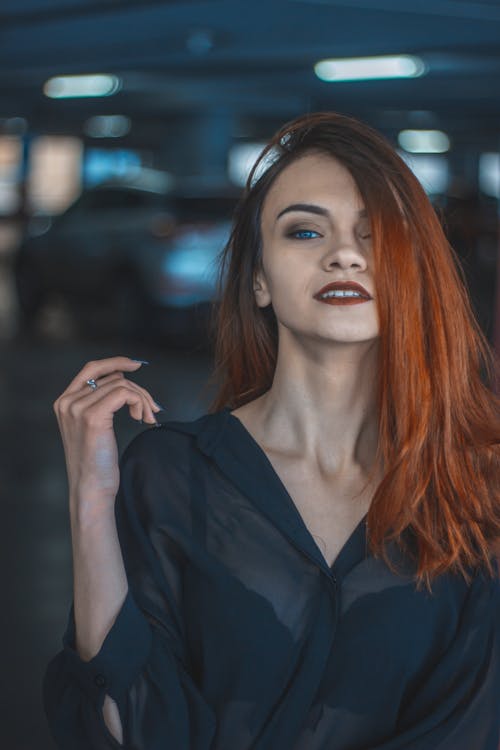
{"x":439,"y":417}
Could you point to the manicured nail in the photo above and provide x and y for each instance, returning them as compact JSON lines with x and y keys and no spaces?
{"x":142,"y":361}
{"x":160,"y":406}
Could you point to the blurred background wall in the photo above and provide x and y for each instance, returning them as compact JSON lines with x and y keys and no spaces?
{"x":127,"y":128}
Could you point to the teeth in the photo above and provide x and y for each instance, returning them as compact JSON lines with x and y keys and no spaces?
{"x":341,"y":293}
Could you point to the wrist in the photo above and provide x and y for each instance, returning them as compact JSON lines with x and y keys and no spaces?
{"x":87,"y":511}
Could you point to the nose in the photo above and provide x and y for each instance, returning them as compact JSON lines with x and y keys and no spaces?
{"x":345,"y":254}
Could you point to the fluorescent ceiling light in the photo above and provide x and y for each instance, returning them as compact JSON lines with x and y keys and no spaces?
{"x":65,"y":87}
{"x":424,"y":141}
{"x":365,"y":68}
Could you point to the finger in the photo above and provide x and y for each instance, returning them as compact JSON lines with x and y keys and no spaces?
{"x":98,"y":407}
{"x":98,"y":368}
{"x":67,"y":396}
{"x":74,"y":404}
{"x":101,"y":411}
{"x":115,"y":376}
{"x":118,"y":377}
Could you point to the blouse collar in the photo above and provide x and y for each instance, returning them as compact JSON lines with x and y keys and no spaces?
{"x":222,"y":437}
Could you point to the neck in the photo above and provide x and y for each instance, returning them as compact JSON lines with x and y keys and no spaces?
{"x":324,"y":409}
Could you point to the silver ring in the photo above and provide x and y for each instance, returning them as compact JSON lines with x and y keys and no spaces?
{"x":91,"y":382}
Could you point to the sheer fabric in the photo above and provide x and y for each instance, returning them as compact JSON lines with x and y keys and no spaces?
{"x":236,"y":634}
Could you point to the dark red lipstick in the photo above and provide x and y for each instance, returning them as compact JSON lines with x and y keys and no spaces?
{"x":361,"y":295}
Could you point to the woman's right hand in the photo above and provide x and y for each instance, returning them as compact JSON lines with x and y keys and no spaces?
{"x":85,"y":419}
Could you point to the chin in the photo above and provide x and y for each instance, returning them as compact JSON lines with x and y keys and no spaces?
{"x":348,"y":335}
{"x":326,"y":332}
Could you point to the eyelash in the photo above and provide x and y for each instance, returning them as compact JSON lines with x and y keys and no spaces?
{"x":293,"y":234}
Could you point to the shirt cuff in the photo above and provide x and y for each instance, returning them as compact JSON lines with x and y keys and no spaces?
{"x":123,"y":654}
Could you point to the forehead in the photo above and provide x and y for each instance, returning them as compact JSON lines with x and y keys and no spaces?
{"x":312,"y":178}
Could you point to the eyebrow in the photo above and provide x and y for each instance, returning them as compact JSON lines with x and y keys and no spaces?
{"x":313,"y":209}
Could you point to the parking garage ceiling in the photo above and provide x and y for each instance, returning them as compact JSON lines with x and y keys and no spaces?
{"x":254,"y":60}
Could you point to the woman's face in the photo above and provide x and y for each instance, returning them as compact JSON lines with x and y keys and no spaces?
{"x":325,"y":240}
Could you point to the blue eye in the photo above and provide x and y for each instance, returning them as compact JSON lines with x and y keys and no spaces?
{"x":304,"y":234}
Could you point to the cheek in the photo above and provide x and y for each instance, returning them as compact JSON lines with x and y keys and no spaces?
{"x":289,"y":291}
{"x":288,"y":274}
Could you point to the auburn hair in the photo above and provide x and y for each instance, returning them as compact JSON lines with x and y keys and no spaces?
{"x":439,"y":415}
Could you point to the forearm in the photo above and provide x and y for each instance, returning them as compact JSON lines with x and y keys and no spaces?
{"x":100,"y":587}
{"x":99,"y":579}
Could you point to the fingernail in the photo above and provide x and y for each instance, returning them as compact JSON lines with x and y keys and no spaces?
{"x":160,"y":406}
{"x":142,"y":361}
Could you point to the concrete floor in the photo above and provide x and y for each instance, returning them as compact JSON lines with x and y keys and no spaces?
{"x":36,"y":546}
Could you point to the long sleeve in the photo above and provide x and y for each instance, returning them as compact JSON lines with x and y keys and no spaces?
{"x":142,"y":663}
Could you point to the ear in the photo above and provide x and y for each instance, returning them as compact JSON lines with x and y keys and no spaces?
{"x":260,"y":288}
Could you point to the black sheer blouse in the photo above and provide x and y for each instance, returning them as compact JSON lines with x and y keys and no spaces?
{"x":235,"y":634}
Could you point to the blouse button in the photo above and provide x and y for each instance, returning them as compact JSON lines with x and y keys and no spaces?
{"x":100,"y":680}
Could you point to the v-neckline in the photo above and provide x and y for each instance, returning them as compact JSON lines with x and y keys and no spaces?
{"x":354,"y":544}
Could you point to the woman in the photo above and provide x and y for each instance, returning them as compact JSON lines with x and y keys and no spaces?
{"x":311,"y":564}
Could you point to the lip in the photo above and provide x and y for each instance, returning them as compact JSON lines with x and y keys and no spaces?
{"x":344,"y":285}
